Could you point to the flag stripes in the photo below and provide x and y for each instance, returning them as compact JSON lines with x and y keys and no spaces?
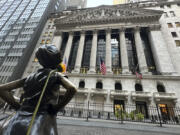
{"x":103,"y":67}
{"x":138,"y":75}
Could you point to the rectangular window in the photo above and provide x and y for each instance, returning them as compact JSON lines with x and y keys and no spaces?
{"x":177,"y":42}
{"x":50,"y":34}
{"x":47,"y":41}
{"x":42,"y":41}
{"x":166,"y":15}
{"x":45,"y":34}
{"x":49,"y":26}
{"x":170,"y":25}
{"x":177,"y":24}
{"x":174,"y":34}
{"x":172,"y":14}
{"x":169,"y":6}
{"x":161,"y":6}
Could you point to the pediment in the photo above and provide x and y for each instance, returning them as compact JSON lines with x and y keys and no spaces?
{"x":104,"y":14}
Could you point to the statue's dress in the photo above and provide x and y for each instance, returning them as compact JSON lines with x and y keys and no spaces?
{"x":45,"y":121}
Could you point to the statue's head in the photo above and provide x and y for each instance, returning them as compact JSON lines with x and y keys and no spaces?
{"x":49,"y":56}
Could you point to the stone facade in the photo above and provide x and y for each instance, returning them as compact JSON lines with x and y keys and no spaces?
{"x":128,"y":24}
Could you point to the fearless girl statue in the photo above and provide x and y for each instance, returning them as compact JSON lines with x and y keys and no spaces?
{"x":39,"y":104}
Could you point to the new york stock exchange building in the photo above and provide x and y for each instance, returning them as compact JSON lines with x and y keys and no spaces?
{"x":133,"y":44}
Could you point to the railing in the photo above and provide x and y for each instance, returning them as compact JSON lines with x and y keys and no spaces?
{"x":83,"y":91}
{"x":140,"y":94}
{"x":150,"y":114}
{"x":84,"y":70}
{"x":117,"y":71}
{"x":158,"y":96}
{"x":97,"y":91}
{"x":164,"y":94}
{"x":118,"y":93}
{"x":98,"y":71}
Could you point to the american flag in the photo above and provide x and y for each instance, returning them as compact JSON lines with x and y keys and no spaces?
{"x":138,"y":75}
{"x":103,"y":67}
{"x":64,"y":65}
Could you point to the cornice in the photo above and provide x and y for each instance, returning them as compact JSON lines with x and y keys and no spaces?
{"x":154,"y":27}
{"x":96,"y":28}
{"x":57,"y":32}
{"x":137,"y":19}
{"x":111,"y":76}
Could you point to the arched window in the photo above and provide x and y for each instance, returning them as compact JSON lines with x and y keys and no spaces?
{"x":118,"y":86}
{"x":99,"y":85}
{"x":81,"y":84}
{"x":160,"y":88}
{"x":138,"y":87}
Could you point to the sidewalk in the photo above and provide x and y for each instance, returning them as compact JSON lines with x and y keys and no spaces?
{"x":75,"y":126}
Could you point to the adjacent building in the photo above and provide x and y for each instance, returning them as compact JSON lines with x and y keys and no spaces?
{"x":75,"y":4}
{"x":21,"y":22}
{"x":131,"y":38}
{"x":115,"y":2}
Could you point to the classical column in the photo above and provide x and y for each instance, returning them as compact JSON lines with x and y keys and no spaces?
{"x":93,"y":53}
{"x":68,"y":47}
{"x":140,"y":51}
{"x":79,"y":53}
{"x":124,"y":53}
{"x":160,"y":52}
{"x":108,"y":51}
{"x":57,"y":40}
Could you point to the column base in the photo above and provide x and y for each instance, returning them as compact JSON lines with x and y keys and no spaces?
{"x":91,"y":71}
{"x":167,"y":73}
{"x":76,"y":71}
{"x":146,"y":73}
{"x":109,"y":72}
{"x":126,"y":71}
{"x":144,"y":70}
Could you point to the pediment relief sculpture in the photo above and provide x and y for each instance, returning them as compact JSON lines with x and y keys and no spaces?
{"x":104,"y":14}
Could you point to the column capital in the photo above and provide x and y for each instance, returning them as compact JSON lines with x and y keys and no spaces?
{"x":95,"y":31}
{"x":58,"y":33}
{"x":154,"y":27}
{"x":71,"y":32}
{"x":83,"y":32}
{"x":122,"y":29}
{"x":136,"y":28}
{"x":108,"y":30}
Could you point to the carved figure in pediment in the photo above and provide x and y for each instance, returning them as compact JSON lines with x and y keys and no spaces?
{"x":103,"y":12}
{"x":117,"y":13}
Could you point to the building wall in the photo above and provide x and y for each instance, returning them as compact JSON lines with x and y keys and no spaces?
{"x":173,"y":48}
{"x":128,"y":81}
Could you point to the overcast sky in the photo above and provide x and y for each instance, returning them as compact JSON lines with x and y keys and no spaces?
{"x":94,"y":3}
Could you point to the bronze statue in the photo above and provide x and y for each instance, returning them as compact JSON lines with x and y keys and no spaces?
{"x":45,"y":121}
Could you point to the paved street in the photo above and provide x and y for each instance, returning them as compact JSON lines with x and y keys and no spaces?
{"x":69,"y":126}
{"x":75,"y":126}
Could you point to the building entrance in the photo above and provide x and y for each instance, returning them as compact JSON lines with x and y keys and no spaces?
{"x":119,"y":103}
{"x":166,"y":111}
{"x":141,"y":107}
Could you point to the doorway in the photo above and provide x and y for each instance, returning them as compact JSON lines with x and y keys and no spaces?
{"x":118,"y":103}
{"x":165,"y":111}
{"x":141,"y":107}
